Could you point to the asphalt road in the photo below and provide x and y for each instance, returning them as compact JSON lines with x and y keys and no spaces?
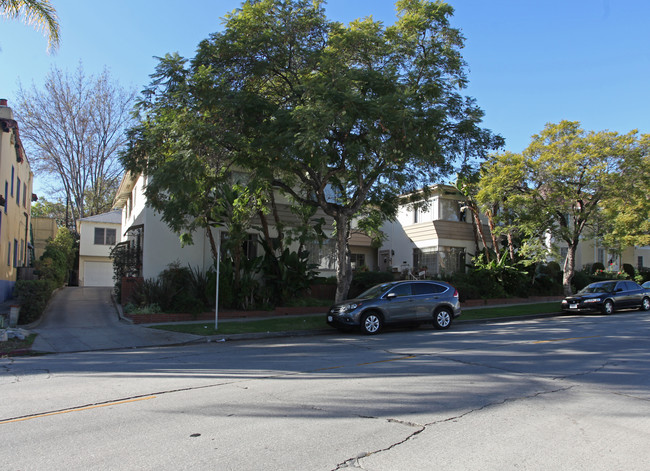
{"x":556,"y":393}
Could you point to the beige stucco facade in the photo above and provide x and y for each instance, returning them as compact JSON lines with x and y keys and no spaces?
{"x":16,"y":180}
{"x":436,"y":237}
{"x":590,"y":251}
{"x":97,"y":236}
{"x":43,"y":229}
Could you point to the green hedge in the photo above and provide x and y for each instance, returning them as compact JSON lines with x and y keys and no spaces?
{"x":32,"y":295}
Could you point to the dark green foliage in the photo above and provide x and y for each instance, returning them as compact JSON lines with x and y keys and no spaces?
{"x":52,"y":269}
{"x":287,"y":276}
{"x":580,"y":280}
{"x":339,"y":117}
{"x":466,"y":290}
{"x":597,"y":266}
{"x":629,"y":270}
{"x":58,"y":257}
{"x":644,"y":273}
{"x":126,"y":263}
{"x":174,"y":290}
{"x":361,"y":281}
{"x":32,"y":295}
{"x":547,"y":279}
{"x":202,"y":286}
{"x":226,"y":285}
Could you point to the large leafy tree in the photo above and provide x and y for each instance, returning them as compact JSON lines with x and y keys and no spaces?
{"x":74,"y":129}
{"x":39,"y":13}
{"x":340,"y":118}
{"x":343,"y":118}
{"x":560,"y":183}
{"x":628,"y":211}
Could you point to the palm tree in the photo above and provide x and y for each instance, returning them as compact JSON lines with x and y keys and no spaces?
{"x":41,"y":14}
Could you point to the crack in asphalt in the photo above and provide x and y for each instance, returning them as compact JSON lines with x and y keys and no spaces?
{"x":584,"y":373}
{"x":357,"y":464}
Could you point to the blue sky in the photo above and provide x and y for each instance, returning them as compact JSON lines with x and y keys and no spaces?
{"x":530,"y":61}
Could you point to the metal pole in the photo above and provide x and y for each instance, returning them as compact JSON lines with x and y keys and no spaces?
{"x":216,"y":304}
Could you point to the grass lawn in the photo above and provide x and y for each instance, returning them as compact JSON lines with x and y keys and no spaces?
{"x":317,"y":322}
{"x":15,"y":345}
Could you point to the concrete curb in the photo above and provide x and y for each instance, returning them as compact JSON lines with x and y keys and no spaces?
{"x":308,"y":333}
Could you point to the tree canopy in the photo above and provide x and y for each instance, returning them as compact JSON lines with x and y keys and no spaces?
{"x":563,"y":183}
{"x":341,"y":118}
{"x":74,"y":129}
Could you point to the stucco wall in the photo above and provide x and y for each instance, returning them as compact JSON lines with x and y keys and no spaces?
{"x":16,"y":188}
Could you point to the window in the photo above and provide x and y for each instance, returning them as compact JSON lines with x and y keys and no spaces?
{"x":439,"y":260}
{"x":13,"y":174}
{"x":402,"y":290}
{"x":358,"y":260}
{"x":105,"y":236}
{"x":250,"y":246}
{"x":449,"y":210}
{"x":15,"y":253}
{"x":601,"y":256}
{"x":427,"y":288}
{"x":18,"y":193}
{"x":24,"y":195}
{"x":322,"y":255}
{"x":6,"y":196}
{"x":639,"y":262}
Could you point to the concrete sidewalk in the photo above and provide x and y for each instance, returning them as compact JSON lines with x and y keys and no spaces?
{"x":86,"y":319}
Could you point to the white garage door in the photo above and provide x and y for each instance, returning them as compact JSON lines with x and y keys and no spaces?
{"x":98,"y":274}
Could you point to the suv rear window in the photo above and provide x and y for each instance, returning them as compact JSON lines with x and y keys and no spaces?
{"x":428,"y":288}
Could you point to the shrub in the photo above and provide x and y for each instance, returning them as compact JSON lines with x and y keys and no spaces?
{"x":149,"y":309}
{"x":466,"y":290}
{"x":597,"y":267}
{"x":629,"y":269}
{"x":580,"y":280}
{"x":33,"y":296}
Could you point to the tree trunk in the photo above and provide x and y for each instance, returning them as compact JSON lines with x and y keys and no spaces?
{"x":511,"y":247}
{"x":569,"y":269}
{"x":213,"y":246}
{"x":343,"y":266}
{"x":495,"y":242}
{"x":478,"y":227}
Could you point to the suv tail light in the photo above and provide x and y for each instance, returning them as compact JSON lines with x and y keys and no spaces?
{"x":455,"y":293}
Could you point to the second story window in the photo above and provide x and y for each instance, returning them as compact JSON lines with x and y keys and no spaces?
{"x":105,"y":236}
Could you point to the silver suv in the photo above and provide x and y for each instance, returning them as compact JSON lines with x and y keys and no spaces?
{"x":411,"y":302}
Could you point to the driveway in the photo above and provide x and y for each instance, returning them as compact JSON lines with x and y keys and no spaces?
{"x":85,"y":318}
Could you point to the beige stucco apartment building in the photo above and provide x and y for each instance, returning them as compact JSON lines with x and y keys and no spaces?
{"x":16,"y":180}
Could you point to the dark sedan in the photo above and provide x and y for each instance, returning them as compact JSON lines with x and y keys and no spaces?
{"x":608,"y":296}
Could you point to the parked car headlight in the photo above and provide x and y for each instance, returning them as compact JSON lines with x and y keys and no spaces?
{"x":351,"y":307}
{"x":592,"y":300}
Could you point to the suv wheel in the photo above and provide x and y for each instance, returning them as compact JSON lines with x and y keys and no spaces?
{"x":371,"y":323}
{"x":442,"y":318}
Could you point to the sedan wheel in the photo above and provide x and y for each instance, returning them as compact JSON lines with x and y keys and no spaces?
{"x":371,"y":323}
{"x":645,"y":304}
{"x":608,"y":307}
{"x":442,"y":319}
